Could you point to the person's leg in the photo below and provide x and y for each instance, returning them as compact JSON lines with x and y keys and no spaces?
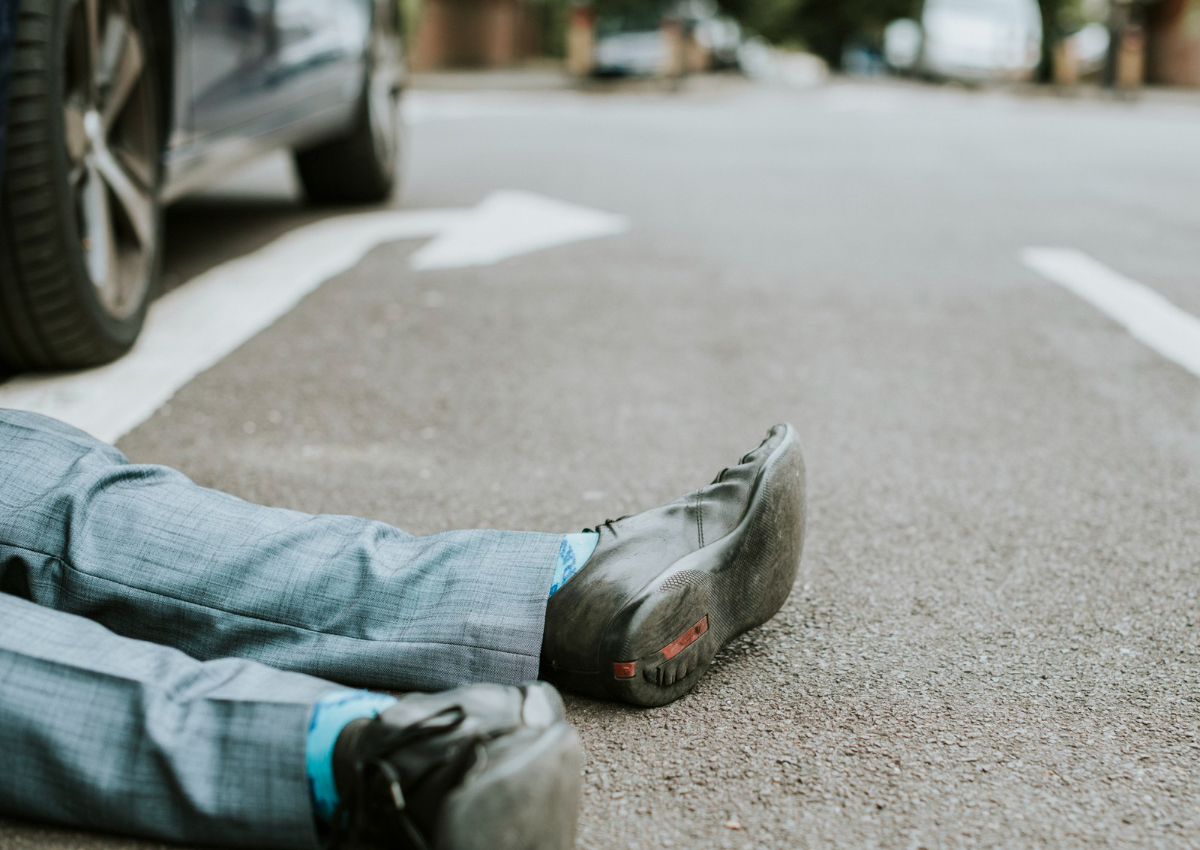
{"x":150,"y":555}
{"x":638,"y":610}
{"x":107,"y":732}
{"x":110,"y":733}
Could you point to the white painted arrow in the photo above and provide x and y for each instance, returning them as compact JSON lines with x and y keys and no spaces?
{"x":508,"y":224}
{"x":193,"y":327}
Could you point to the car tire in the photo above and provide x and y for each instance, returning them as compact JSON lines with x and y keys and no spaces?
{"x":80,"y":214}
{"x":362,"y":166}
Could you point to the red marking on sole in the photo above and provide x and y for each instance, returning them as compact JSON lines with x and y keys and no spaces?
{"x":685,"y":640}
{"x":625,"y":669}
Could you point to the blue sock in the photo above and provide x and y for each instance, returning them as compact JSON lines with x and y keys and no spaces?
{"x":572,"y":554}
{"x":329,"y":717}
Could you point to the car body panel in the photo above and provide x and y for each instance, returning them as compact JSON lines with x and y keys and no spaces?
{"x":246,"y":77}
{"x":253,"y":75}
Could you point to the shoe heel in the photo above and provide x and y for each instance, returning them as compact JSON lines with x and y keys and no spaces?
{"x":668,"y":642}
{"x":673,"y":631}
{"x":524,"y":793}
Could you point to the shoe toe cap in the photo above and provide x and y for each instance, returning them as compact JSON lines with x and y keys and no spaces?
{"x":543,"y":707}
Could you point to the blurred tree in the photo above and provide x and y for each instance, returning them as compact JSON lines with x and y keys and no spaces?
{"x":826,"y":27}
{"x":644,"y":12}
{"x":551,"y":19}
{"x":1052,"y":15}
{"x":410,"y":20}
{"x":822,"y":26}
{"x":1060,"y":18}
{"x":775,"y":20}
{"x":627,"y":7}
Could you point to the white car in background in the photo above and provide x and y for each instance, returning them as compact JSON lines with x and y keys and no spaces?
{"x":637,"y":53}
{"x":969,"y":40}
{"x":632,"y":43}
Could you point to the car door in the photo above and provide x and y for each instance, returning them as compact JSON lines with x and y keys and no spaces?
{"x":319,"y":51}
{"x":229,"y":48}
{"x":257,"y":65}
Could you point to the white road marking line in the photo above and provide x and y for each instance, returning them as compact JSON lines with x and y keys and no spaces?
{"x":510,"y":223}
{"x":1149,"y":318}
{"x":194,"y":327}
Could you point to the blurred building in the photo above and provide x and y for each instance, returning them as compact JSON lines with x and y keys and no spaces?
{"x":1174,"y":43}
{"x":480,"y":33}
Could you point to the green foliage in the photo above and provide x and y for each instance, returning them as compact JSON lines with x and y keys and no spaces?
{"x":632,"y":14}
{"x":410,"y":20}
{"x":552,"y":18}
{"x":823,"y":26}
{"x":606,"y":8}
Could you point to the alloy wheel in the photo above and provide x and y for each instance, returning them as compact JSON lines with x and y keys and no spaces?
{"x":111,"y":149}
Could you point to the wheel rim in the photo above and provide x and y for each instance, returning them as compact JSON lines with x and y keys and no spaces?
{"x":110,"y":140}
{"x":383,"y":95}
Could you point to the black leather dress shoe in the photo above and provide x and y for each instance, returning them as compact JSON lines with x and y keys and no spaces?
{"x":665,"y":590}
{"x":485,"y":767}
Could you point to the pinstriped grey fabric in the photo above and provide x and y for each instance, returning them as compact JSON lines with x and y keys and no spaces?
{"x":150,"y":555}
{"x":107,"y":732}
{"x":103,"y":725}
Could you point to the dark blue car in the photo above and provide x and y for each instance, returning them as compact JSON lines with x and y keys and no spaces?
{"x":112,"y":108}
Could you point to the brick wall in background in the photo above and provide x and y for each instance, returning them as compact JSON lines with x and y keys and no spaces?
{"x":1174,"y":54}
{"x":474,"y":34}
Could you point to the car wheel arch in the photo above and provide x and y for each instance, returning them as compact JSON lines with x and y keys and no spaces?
{"x":163,"y":54}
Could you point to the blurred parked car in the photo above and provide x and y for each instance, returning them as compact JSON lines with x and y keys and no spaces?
{"x":968,"y":40}
{"x":117,"y":107}
{"x":632,"y":44}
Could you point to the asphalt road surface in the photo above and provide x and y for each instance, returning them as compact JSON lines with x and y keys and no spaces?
{"x":995,"y":639}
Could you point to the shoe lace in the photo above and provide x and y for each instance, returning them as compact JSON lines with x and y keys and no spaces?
{"x":608,"y":523}
{"x":349,"y":824}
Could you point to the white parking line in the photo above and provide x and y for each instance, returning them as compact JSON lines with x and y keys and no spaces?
{"x":1149,"y":318}
{"x":193,"y":327}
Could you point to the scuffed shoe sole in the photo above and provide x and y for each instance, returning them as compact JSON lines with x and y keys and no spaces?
{"x":660,"y":644}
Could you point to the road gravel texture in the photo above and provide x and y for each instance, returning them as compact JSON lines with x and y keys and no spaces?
{"x":995,"y":638}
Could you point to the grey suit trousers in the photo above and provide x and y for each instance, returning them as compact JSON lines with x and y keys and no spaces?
{"x":162,"y":645}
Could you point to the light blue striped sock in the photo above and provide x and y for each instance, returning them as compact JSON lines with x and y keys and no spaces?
{"x":330,"y":716}
{"x":573,"y":553}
